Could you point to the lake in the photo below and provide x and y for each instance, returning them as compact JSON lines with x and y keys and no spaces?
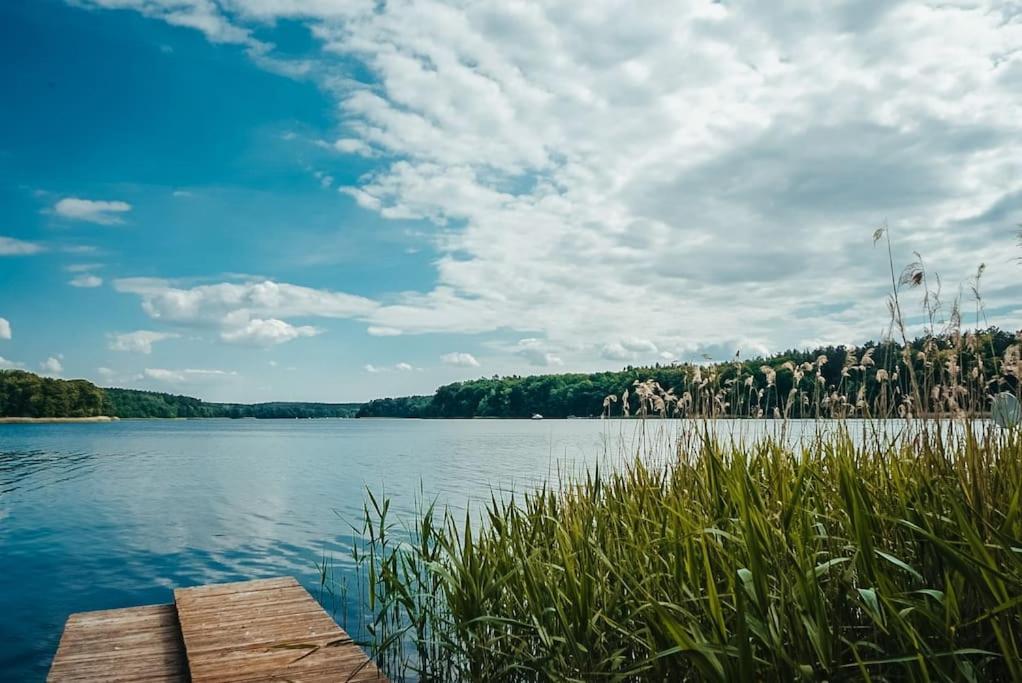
{"x":98,"y":516}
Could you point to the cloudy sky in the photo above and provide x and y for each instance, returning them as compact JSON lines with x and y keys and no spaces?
{"x":341,"y":199}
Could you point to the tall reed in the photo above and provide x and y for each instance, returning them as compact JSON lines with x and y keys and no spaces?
{"x":878,"y":550}
{"x":838,"y":558}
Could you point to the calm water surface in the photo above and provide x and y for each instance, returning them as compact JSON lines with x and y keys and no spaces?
{"x":98,"y":516}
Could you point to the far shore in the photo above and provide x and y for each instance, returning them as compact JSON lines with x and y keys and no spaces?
{"x":54,"y":420}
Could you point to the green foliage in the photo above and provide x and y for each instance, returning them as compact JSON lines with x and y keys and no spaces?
{"x":841,"y":559}
{"x":24,"y":394}
{"x":874,"y":380}
{"x":404,"y":406}
{"x":133,"y":403}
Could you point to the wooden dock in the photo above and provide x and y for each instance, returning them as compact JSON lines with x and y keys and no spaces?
{"x":267,"y":630}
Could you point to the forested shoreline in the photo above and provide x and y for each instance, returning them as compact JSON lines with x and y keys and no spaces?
{"x":875,"y":379}
{"x":830,"y":381}
{"x":24,"y":394}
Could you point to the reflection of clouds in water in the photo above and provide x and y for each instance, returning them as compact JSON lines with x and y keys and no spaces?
{"x":119,"y":514}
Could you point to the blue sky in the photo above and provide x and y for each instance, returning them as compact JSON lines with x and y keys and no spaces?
{"x":336,"y":200}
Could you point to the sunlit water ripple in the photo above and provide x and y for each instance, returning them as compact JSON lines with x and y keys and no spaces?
{"x":98,"y":516}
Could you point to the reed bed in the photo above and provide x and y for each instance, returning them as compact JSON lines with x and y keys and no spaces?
{"x":839,"y":558}
{"x":890,"y":550}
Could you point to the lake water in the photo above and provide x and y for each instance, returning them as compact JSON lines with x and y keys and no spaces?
{"x":98,"y":516}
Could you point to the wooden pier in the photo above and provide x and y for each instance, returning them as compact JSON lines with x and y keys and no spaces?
{"x":267,"y":630}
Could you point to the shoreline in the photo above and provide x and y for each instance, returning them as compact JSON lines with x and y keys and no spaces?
{"x":56,"y":420}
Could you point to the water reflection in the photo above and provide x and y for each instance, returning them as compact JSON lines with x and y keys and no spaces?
{"x":111,"y":515}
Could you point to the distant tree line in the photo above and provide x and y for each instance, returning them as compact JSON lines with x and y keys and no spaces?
{"x":135,"y":403}
{"x":24,"y":394}
{"x":933,"y":375}
{"x":937,"y":374}
{"x":402,"y":406}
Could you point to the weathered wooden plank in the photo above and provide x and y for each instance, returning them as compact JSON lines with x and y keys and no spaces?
{"x":239,"y":588}
{"x":121,"y":646}
{"x":265,"y":630}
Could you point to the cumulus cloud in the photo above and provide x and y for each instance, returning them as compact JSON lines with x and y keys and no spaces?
{"x":139,"y":341}
{"x":201,"y":15}
{"x":10,"y":364}
{"x":460,"y":359}
{"x":399,"y":367}
{"x":536,"y":352}
{"x":98,"y":211}
{"x":14,"y":247}
{"x":383,"y":331}
{"x":695,"y":172}
{"x":161,"y":300}
{"x":187,"y":375}
{"x":252,"y":312}
{"x":86,"y":280}
{"x":52,"y":366}
{"x":5,"y":329}
{"x":632,"y":349}
{"x":269,"y":332}
{"x":353,"y":146}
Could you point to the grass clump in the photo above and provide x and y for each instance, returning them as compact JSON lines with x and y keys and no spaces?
{"x":837,"y":558}
{"x":886,"y":549}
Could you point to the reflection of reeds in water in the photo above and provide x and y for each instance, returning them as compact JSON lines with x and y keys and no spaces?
{"x":894,"y":554}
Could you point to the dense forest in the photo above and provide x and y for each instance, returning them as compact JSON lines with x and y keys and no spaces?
{"x":402,"y":406}
{"x":135,"y":403}
{"x":933,"y":375}
{"x":936,"y":374}
{"x":23,"y":394}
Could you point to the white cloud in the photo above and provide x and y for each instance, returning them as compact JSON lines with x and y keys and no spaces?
{"x":325,"y":179}
{"x":52,"y":366}
{"x":353,"y":146}
{"x":201,"y":15}
{"x":399,"y":367}
{"x":5,"y":329}
{"x":460,"y":359}
{"x":536,"y":352}
{"x":164,"y":375}
{"x":259,"y":332}
{"x":632,"y":349}
{"x":10,"y":364}
{"x":383,"y":331}
{"x":252,"y":312}
{"x":14,"y":247}
{"x":689,"y":173}
{"x":615,"y":351}
{"x":187,"y":375}
{"x":92,"y":210}
{"x":161,"y":300}
{"x":86,"y":280}
{"x":139,"y":341}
